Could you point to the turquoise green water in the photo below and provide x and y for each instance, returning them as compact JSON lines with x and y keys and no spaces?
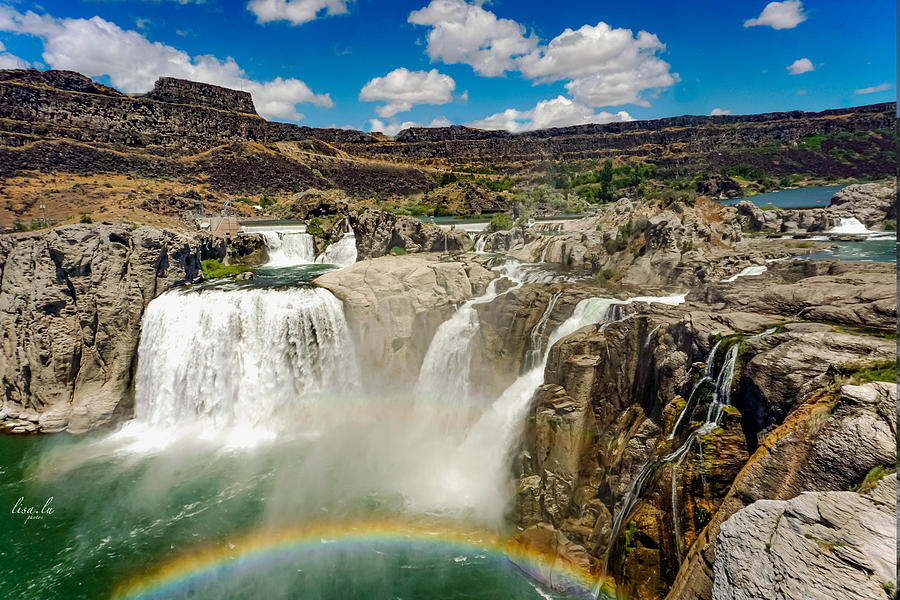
{"x":883,"y":250}
{"x":804,"y":197}
{"x":117,"y":514}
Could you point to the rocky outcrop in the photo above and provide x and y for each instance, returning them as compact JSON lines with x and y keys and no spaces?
{"x":719,"y":187}
{"x":182,"y":91}
{"x":869,"y":203}
{"x":830,"y":443}
{"x":71,"y":302}
{"x":378,"y":233}
{"x":394,"y":304}
{"x":817,"y":546}
{"x":601,"y":428}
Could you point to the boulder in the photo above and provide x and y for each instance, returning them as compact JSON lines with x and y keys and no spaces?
{"x":377,"y":233}
{"x":817,"y":546}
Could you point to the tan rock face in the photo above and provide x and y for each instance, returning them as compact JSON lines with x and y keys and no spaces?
{"x":71,"y":301}
{"x":394,"y":304}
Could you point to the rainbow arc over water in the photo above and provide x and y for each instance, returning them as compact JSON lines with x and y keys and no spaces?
{"x":270,"y":549}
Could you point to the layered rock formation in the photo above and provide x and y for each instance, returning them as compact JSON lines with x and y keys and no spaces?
{"x":378,"y":233}
{"x":818,"y":546}
{"x":71,"y":302}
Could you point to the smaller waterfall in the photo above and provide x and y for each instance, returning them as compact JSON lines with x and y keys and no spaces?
{"x":287,"y":249}
{"x":341,"y":253}
{"x":480,"y":243}
{"x":705,"y":378}
{"x":444,"y":373}
{"x":536,"y":347}
{"x":849,"y":226}
{"x":544,"y":252}
{"x":748,"y":272}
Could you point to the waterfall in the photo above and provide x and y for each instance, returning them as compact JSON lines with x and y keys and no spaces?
{"x":341,"y":253}
{"x":219,"y":358}
{"x":480,"y":243}
{"x":544,"y":252}
{"x":535,"y":349}
{"x":748,"y":272}
{"x":287,"y":249}
{"x":849,"y":226}
{"x":706,"y":377}
{"x":444,"y":374}
{"x":503,"y":421}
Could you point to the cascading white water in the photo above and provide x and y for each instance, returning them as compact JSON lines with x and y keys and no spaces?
{"x":341,"y":253}
{"x":287,"y":249}
{"x":748,"y":272}
{"x":536,"y":348}
{"x":480,"y":243}
{"x":219,"y":358}
{"x":444,"y":374}
{"x":849,"y":226}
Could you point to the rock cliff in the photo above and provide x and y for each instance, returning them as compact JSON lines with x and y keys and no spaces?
{"x":594,"y":463}
{"x":71,"y":302}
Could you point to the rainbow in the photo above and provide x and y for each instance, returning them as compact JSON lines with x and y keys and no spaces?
{"x":272,"y":548}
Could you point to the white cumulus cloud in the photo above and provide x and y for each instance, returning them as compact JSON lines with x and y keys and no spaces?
{"x":801,"y":65}
{"x":469,"y":34}
{"x":719,"y":111}
{"x":402,"y":89}
{"x":875,"y":88}
{"x":557,"y":112}
{"x":604,"y":66}
{"x":780,"y":15}
{"x":295,"y":11}
{"x":97,"y":47}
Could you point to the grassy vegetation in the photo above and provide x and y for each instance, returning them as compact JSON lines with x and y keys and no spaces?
{"x":880,"y":371}
{"x":314,"y":227}
{"x":813,"y":142}
{"x":500,"y":222}
{"x":398,"y":251}
{"x":33,"y":226}
{"x":85,"y":218}
{"x":872,"y":478}
{"x":890,"y":224}
{"x":213,"y":269}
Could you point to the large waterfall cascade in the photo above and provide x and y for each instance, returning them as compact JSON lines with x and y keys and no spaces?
{"x":224,"y":357}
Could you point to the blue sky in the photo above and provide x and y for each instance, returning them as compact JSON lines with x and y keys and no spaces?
{"x":505,"y":64}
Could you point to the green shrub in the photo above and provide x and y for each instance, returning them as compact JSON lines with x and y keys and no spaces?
{"x":398,"y":251}
{"x":266,"y":201}
{"x":500,"y":222}
{"x":245,"y":200}
{"x":890,"y":224}
{"x":315,"y":227}
{"x":813,"y":142}
{"x":213,"y":269}
{"x":85,"y":218}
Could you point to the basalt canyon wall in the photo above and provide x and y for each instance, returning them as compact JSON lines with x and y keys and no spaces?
{"x":61,"y":120}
